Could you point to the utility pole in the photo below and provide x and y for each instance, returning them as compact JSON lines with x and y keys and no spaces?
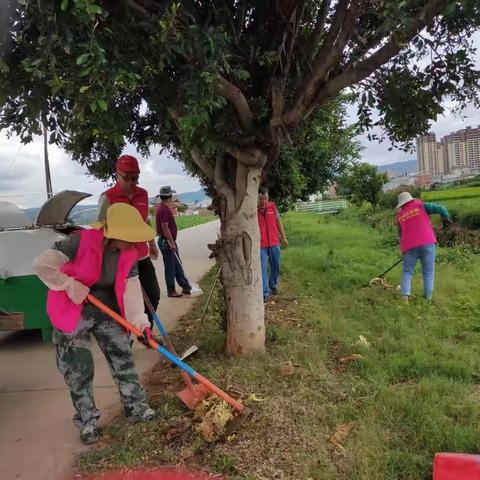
{"x":48,"y":178}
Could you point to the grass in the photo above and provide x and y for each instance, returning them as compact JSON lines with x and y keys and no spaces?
{"x":187,"y":221}
{"x":415,"y":390}
{"x":451,"y":194}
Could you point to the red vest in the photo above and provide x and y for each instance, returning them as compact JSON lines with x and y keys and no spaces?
{"x":415,"y":227}
{"x":139,"y":201}
{"x":267,"y":221}
{"x":86,"y":268}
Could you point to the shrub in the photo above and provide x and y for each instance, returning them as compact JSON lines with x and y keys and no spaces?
{"x":389,"y":199}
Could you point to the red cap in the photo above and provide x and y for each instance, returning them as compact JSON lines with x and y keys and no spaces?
{"x":127,"y":164}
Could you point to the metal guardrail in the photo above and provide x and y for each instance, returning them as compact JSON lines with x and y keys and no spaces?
{"x":322,"y":207}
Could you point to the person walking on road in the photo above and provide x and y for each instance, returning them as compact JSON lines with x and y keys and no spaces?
{"x":417,"y":241}
{"x":167,"y":242}
{"x":272,"y":234}
{"x":101,"y":261}
{"x":127,"y":191}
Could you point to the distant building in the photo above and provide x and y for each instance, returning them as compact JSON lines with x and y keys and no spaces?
{"x":456,"y":151}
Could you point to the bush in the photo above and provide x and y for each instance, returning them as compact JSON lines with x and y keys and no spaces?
{"x":389,"y":199}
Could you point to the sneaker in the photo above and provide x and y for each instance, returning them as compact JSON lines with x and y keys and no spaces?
{"x":148,"y":415}
{"x":405,"y":299}
{"x":274,"y":291}
{"x":186,"y":292}
{"x":265,"y":299}
{"x":89,"y":435}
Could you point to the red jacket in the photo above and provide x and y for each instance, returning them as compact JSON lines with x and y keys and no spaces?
{"x":267,"y":221}
{"x":139,"y":201}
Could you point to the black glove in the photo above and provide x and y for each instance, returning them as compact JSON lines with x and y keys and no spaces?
{"x":446,"y":222}
{"x":146,"y":337}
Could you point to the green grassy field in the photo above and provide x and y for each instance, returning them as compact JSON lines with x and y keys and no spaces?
{"x":412,"y":390}
{"x":451,"y":194}
{"x":187,"y":221}
{"x":462,"y":202}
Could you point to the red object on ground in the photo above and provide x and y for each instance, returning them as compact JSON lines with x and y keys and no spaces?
{"x":456,"y":466}
{"x":157,"y":474}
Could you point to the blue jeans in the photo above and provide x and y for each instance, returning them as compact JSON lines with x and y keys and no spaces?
{"x":173,"y":269}
{"x":426,"y":255}
{"x":270,"y":255}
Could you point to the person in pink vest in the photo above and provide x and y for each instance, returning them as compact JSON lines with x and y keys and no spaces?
{"x":127,"y":191}
{"x":272,"y":234}
{"x":417,"y":241}
{"x":101,"y":261}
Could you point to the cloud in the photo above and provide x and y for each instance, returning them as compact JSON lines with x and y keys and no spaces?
{"x":22,"y":174}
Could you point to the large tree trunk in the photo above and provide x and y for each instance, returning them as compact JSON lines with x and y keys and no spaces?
{"x":239,"y":256}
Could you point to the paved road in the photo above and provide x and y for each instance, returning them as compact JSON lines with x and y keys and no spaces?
{"x":37,"y":438}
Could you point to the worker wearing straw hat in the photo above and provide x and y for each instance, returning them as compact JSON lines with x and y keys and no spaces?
{"x":101,"y":261}
{"x":417,"y":241}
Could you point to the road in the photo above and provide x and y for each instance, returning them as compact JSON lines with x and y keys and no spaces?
{"x":37,"y":437}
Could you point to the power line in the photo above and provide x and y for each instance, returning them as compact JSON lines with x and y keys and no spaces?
{"x":14,"y":160}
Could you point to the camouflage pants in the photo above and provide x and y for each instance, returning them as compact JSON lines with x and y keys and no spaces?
{"x":75,"y":363}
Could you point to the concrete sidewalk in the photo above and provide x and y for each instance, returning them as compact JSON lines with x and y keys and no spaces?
{"x":38,"y":440}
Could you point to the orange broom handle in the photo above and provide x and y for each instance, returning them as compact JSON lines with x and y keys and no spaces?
{"x":173,"y":358}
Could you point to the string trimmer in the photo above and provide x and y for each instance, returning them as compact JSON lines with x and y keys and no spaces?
{"x":381,"y":278}
{"x":243,"y":411}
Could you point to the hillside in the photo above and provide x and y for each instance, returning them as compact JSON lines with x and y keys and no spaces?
{"x":400,"y":168}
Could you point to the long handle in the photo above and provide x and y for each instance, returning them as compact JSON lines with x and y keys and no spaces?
{"x":391,"y":268}
{"x":210,"y":295}
{"x":168,"y":341}
{"x":170,"y":356}
{"x":183,"y":270}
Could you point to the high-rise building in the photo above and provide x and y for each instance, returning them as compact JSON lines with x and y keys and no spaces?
{"x":454,"y":151}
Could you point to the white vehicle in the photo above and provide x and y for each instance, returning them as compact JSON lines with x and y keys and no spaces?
{"x":22,"y":295}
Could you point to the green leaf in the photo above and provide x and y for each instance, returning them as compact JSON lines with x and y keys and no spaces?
{"x":82,"y":58}
{"x":92,"y":8}
{"x":93,"y":107}
{"x":64,"y":5}
{"x":102,"y":105}
{"x":84,"y":88}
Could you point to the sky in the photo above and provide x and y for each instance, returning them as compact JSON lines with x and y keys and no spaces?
{"x":22,"y":177}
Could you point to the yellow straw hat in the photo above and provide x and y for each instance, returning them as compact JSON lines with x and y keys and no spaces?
{"x":124,"y":222}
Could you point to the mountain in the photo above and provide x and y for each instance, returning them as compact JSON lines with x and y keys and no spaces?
{"x":400,"y":168}
{"x":86,"y":214}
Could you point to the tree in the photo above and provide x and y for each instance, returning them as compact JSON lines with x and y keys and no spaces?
{"x":321,"y":149}
{"x":222,"y":84}
{"x":362,"y":183}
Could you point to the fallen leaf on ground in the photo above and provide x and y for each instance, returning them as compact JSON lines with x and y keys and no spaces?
{"x":341,"y":434}
{"x":345,"y":360}
{"x":215,"y":414}
{"x":253,"y":398}
{"x":362,"y":342}
{"x":287,"y":369}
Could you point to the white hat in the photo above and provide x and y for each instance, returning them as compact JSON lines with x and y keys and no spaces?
{"x":403,"y":198}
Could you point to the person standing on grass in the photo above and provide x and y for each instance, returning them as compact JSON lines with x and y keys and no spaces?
{"x":167,"y":241}
{"x":127,"y":191}
{"x":272,"y":234}
{"x":101,"y":261}
{"x":417,"y":241}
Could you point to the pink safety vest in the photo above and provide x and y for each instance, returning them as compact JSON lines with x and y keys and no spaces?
{"x":416,"y":229}
{"x":86,"y":268}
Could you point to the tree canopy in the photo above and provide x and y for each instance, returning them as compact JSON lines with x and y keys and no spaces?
{"x":362,"y":183}
{"x":223,"y":84}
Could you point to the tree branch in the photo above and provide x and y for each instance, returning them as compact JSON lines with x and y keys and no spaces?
{"x":323,"y":60}
{"x":249,"y":156}
{"x":232,"y":93}
{"x":221,"y":184}
{"x":319,"y":27}
{"x":205,"y":166}
{"x":398,"y":40}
